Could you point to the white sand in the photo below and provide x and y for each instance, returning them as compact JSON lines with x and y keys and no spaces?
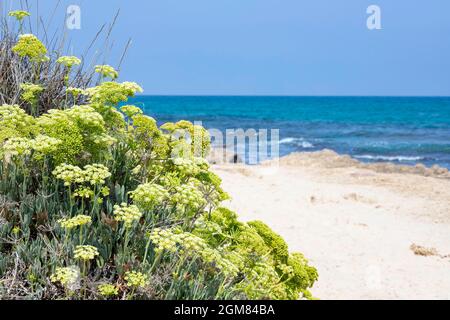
{"x":354,"y":222}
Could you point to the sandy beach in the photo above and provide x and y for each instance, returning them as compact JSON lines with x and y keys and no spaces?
{"x":376,"y":231}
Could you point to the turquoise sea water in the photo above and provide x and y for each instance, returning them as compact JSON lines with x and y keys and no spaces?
{"x":405,"y":130}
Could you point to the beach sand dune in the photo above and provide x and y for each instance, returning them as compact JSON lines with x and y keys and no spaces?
{"x":376,"y":231}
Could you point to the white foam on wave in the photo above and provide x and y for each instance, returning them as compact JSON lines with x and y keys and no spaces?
{"x":298,"y":142}
{"x":287,"y":140}
{"x":390,"y":158}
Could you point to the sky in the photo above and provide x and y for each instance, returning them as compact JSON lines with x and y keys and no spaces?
{"x":270,"y":47}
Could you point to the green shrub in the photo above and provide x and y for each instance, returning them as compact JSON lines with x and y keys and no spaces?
{"x":304,"y":275}
{"x":277,"y":246}
{"x":260,"y":255}
{"x":96,"y":203}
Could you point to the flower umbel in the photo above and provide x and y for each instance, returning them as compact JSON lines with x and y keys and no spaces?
{"x":17,"y":147}
{"x":15,"y":230}
{"x":75,"y":222}
{"x":107,"y":71}
{"x":69,"y":61}
{"x":108,"y":290}
{"x":96,"y":174}
{"x":131,"y":111}
{"x":75,"y":92}
{"x":30,"y":46}
{"x":149,"y":195}
{"x":45,"y":145}
{"x":19,"y":14}
{"x":85,"y":253}
{"x":65,"y":276}
{"x":69,"y":174}
{"x":31,"y":92}
{"x":136,"y":279}
{"x":188,"y":197}
{"x":127,"y":214}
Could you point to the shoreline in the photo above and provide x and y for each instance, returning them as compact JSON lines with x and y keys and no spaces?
{"x":374,"y":231}
{"x":332,"y":159}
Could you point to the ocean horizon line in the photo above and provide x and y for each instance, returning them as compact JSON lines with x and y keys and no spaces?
{"x":406,"y":129}
{"x":291,"y":96}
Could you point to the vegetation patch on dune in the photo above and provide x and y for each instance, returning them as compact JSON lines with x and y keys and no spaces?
{"x":98,"y":202}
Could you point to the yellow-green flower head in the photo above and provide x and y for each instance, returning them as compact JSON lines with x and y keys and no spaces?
{"x":31,"y":87}
{"x":286,"y":270}
{"x":111,"y":93}
{"x":105,"y":191}
{"x":86,"y":115}
{"x":17,"y":147}
{"x":15,"y":230}
{"x":75,"y":222}
{"x":84,"y":192}
{"x":65,"y":276}
{"x":69,"y":174}
{"x":85,"y":253}
{"x":108,"y":290}
{"x":131,"y":111}
{"x":19,"y":14}
{"x":149,"y":195}
{"x":117,"y":117}
{"x":45,"y":144}
{"x":165,"y":240}
{"x":74,"y":91}
{"x":13,"y":116}
{"x":188,"y":196}
{"x":52,"y":118}
{"x":132,"y":86}
{"x":127,"y":214}
{"x":96,"y":174}
{"x":69,"y":61}
{"x":104,"y":139}
{"x":188,"y":167}
{"x":136,"y":279}
{"x":201,"y":162}
{"x":31,"y":47}
{"x":32,"y":277}
{"x":107,"y":71}
{"x":31,"y":92}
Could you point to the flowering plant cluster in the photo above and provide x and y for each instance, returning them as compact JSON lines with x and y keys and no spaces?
{"x":149,"y":195}
{"x":65,"y":276}
{"x":127,"y":214}
{"x":136,"y":279}
{"x":69,"y":61}
{"x":75,"y":222}
{"x":19,"y":14}
{"x":31,"y":47}
{"x":31,"y":92}
{"x":99,"y":202}
{"x":85,"y":253}
{"x":107,"y":71}
{"x":131,"y":111}
{"x":108,"y":290}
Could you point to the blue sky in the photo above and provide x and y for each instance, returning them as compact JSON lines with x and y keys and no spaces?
{"x":273,"y":47}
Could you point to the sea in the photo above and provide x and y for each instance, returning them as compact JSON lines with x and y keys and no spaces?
{"x":403,"y":130}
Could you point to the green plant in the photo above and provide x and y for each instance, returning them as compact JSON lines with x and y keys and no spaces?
{"x":100,"y":204}
{"x":278,"y":247}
